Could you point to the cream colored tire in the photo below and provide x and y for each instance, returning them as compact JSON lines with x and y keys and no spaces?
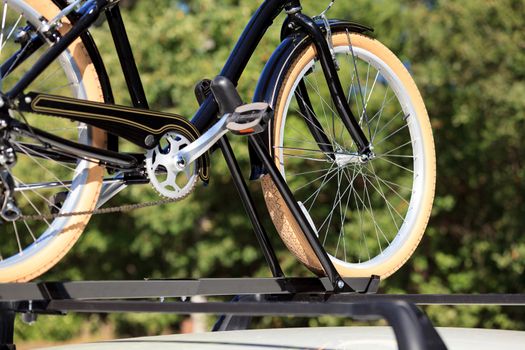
{"x":419,"y":203}
{"x":58,"y":239}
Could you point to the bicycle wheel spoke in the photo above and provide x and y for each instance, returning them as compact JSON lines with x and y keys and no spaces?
{"x":395,"y":192}
{"x":411,"y":142}
{"x":22,"y":146}
{"x":356,"y":72}
{"x":392,"y":134}
{"x":312,"y":124}
{"x":397,"y":165}
{"x":30,"y":231}
{"x":323,"y":102}
{"x":362,"y":200}
{"x":36,"y":193}
{"x":323,"y":183}
{"x":393,"y":156}
{"x":15,"y":62}
{"x":43,"y":167}
{"x":306,"y":158}
{"x":306,"y":141}
{"x":335,"y":204}
{"x":10,"y":33}
{"x":362,"y":234}
{"x":309,"y":172}
{"x":4,"y":15}
{"x":333,"y":208}
{"x":46,"y":78}
{"x":316,"y":179}
{"x":61,"y":87}
{"x":17,"y":238}
{"x":389,"y":205}
{"x":379,"y":113}
{"x":316,"y":151}
{"x":372,"y":216}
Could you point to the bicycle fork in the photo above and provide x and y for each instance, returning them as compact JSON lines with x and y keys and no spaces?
{"x":326,"y":60}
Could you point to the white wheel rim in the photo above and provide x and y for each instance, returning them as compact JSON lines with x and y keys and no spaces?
{"x":415,"y":130}
{"x":78,"y":186}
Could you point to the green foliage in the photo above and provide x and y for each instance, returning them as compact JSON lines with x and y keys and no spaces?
{"x":468,"y":58}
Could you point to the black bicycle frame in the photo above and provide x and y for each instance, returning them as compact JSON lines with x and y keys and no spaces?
{"x":233,"y":68}
{"x":123,"y":121}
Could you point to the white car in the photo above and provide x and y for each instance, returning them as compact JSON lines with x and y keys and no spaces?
{"x":333,"y":338}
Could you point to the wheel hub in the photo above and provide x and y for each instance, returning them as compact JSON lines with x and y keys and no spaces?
{"x":343,"y":159}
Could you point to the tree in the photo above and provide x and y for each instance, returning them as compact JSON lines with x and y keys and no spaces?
{"x":468,"y":59}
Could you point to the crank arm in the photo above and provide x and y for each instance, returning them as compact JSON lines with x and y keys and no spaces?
{"x":247,"y":119}
{"x":200,"y":146}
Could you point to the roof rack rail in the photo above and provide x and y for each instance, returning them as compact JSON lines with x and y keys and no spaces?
{"x":257,"y":297}
{"x":277,"y":296}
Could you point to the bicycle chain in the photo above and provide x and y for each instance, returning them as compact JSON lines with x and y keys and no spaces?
{"x":118,"y":209}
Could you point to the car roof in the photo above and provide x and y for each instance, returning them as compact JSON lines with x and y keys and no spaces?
{"x":343,"y":338}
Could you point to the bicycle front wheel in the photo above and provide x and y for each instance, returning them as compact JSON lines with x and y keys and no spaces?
{"x":35,"y":242}
{"x":369,"y":214}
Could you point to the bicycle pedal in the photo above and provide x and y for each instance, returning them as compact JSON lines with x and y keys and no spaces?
{"x":249,"y":119}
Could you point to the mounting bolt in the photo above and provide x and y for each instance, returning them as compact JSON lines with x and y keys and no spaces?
{"x":181,"y":163}
{"x":340,"y":284}
{"x":2,"y":102}
{"x":149,"y":140}
{"x":29,"y":318}
{"x":3,"y":124}
{"x":27,"y":100}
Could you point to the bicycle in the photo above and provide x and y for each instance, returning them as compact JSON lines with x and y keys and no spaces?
{"x":338,"y":133}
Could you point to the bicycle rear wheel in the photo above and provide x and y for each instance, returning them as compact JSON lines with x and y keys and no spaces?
{"x":369,"y":214}
{"x":32,"y":246}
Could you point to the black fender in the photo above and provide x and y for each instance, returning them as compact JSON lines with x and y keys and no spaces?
{"x":293,"y":41}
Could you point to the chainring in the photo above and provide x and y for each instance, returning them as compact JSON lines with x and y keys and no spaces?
{"x":164,"y":176}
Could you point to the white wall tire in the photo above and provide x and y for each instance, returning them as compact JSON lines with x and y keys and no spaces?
{"x":50,"y":246}
{"x":419,"y":204}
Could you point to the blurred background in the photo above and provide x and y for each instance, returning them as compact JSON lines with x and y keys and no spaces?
{"x":468,"y":60}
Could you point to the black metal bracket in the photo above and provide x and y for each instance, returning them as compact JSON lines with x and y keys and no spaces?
{"x":81,"y":290}
{"x":57,"y":298}
{"x":249,"y":206}
{"x":337,"y":282}
{"x":7,"y":325}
